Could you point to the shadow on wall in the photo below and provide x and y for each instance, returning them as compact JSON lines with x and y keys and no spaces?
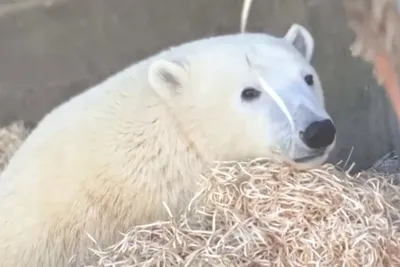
{"x":49,"y":53}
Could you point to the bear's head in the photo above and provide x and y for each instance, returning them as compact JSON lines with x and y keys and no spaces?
{"x":247,"y":95}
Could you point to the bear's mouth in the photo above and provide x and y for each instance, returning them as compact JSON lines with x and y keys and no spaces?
{"x":308,"y":157}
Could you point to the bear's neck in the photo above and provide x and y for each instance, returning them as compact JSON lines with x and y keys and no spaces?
{"x":142,"y":144}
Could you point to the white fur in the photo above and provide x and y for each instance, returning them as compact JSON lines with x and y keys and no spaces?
{"x":106,"y":159}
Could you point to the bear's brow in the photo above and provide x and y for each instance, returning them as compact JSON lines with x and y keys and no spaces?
{"x":256,"y":52}
{"x":253,"y":64}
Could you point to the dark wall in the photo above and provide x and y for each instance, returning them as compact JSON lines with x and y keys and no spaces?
{"x":49,"y":53}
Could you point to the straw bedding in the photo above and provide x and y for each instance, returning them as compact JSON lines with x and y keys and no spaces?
{"x":263,"y":213}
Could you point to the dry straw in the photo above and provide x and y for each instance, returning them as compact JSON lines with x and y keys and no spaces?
{"x":262,"y":213}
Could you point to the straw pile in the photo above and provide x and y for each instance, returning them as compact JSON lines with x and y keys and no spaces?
{"x":263,"y":213}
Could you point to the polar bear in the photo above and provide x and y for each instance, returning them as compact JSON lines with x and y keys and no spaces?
{"x":107,"y":159}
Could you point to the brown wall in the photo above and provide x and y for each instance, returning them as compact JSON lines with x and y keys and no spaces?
{"x":49,"y":53}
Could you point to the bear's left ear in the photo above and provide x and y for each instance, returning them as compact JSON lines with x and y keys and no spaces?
{"x":167,"y":77}
{"x":302,"y":40}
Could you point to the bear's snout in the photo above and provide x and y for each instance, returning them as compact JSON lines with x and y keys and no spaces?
{"x":319,"y":134}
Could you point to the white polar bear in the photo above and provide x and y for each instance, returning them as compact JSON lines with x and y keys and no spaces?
{"x":106,"y":159}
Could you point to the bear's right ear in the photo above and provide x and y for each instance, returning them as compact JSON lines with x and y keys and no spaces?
{"x":167,"y":77}
{"x":301,"y":39}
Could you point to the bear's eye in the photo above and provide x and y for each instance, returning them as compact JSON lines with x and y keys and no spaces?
{"x":309,"y":79}
{"x":250,"y":93}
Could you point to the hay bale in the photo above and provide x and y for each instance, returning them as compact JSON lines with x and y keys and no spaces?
{"x":11,"y":137}
{"x":262,"y":213}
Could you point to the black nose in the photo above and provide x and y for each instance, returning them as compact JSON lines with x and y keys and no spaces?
{"x":319,"y":134}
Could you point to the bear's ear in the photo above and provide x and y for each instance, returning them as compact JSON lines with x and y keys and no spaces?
{"x":302,"y":40}
{"x":167,"y":77}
